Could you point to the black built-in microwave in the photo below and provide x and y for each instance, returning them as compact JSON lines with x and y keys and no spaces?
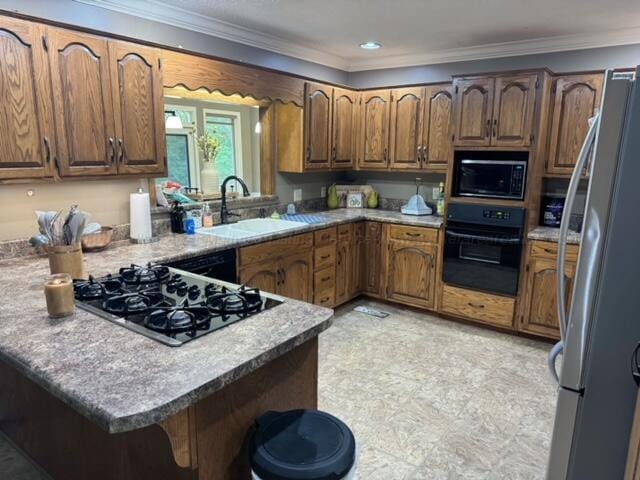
{"x":483,"y":177}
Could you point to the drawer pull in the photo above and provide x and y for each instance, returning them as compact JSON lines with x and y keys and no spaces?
{"x":412,"y":234}
{"x":475,"y":305}
{"x":325,"y":299}
{"x":548,"y":250}
{"x":324,"y":257}
{"x":325,"y":279}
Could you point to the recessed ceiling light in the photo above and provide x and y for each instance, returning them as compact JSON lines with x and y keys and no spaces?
{"x":370,"y":45}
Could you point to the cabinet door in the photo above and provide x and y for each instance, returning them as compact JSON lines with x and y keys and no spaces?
{"x":405,"y":141}
{"x":296,"y":276}
{"x":473,"y":105}
{"x":411,"y":272}
{"x":437,"y":127}
{"x":343,"y":271}
{"x":374,"y":129}
{"x":576,"y":98}
{"x":372,"y":271}
{"x":80,"y":78}
{"x":541,"y":315}
{"x":317,"y":112}
{"x":138,"y":106}
{"x":513,"y":110}
{"x":343,"y":152}
{"x":27,"y":140}
{"x":264,"y":276}
{"x":358,"y":259}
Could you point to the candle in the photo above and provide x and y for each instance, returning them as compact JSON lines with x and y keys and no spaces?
{"x":58,"y":290}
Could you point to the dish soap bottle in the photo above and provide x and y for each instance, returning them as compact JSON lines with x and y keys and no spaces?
{"x":440,"y":201}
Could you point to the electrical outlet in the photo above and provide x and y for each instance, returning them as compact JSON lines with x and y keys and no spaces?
{"x":323,"y":192}
{"x":435,"y":192}
{"x":297,"y":195}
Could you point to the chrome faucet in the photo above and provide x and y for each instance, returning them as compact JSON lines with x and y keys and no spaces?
{"x":224,"y":213}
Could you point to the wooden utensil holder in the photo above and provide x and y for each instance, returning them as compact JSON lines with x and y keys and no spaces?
{"x":67,"y":259}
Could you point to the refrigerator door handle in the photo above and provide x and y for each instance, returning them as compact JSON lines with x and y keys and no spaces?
{"x":564,"y":224}
{"x":551,"y":360}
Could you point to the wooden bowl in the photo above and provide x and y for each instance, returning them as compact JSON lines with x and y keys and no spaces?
{"x":98,"y":240}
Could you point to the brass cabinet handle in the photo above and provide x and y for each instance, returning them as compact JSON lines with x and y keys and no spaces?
{"x":112,"y":147}
{"x":495,"y":127}
{"x":488,"y":128}
{"x":122,"y":154}
{"x":47,"y":148}
{"x":324,"y":257}
{"x":308,"y":153}
{"x":333,"y":153}
{"x":475,"y":305}
{"x":420,"y":153}
{"x":424,"y":154}
{"x":386,"y":154}
{"x":325,"y":279}
{"x":412,"y":234}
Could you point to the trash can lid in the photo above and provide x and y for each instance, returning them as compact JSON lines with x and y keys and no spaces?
{"x":302,"y":445}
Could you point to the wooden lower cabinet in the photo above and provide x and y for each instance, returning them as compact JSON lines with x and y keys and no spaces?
{"x":372,"y":271}
{"x":284,"y":267}
{"x":540,"y":309}
{"x":296,"y":276}
{"x":411,"y":272}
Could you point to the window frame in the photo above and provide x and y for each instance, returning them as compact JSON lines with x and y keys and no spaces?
{"x":237,"y":133}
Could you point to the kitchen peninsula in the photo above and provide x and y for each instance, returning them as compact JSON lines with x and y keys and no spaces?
{"x":85,"y":398}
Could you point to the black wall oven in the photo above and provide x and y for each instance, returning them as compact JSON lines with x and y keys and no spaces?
{"x":498,"y":175}
{"x":483,"y":247}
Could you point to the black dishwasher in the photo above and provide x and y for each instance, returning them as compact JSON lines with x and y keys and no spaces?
{"x":218,"y":265}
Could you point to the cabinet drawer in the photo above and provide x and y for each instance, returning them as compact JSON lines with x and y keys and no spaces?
{"x":276,"y":248}
{"x":324,"y":279}
{"x":416,"y":234}
{"x":326,"y":236}
{"x":325,"y":298}
{"x":324,"y":257}
{"x":550,"y":250}
{"x":478,"y":306}
{"x":344,"y":232}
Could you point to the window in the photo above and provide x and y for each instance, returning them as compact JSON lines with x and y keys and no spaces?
{"x":226,"y":126}
{"x":182,"y":162}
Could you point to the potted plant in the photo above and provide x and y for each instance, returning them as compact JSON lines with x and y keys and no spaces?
{"x":209,"y":144}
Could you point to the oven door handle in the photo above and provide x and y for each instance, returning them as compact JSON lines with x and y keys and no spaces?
{"x":468,"y":236}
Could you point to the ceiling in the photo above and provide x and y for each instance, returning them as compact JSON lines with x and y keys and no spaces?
{"x":412,"y":32}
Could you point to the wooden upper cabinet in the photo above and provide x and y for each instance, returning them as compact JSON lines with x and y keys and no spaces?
{"x":576,"y":98}
{"x":138,"y":107}
{"x":345,"y":109}
{"x":437,"y":127}
{"x":405,"y":141}
{"x":374,"y":129}
{"x":513,"y":110}
{"x":317,"y":111}
{"x":80,"y":77}
{"x":473,"y":111}
{"x":27,"y":139}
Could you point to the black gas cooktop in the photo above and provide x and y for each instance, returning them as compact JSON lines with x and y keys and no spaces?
{"x":169,"y":305}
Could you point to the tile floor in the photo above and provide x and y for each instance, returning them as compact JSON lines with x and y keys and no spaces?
{"x":426,"y":398}
{"x":433,"y":399}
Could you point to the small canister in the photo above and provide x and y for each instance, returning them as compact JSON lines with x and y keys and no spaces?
{"x":58,"y":291}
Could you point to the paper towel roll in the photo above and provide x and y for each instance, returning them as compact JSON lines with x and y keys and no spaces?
{"x":140,"y":216}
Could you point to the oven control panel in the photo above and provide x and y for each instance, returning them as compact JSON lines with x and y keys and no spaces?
{"x":497,"y":214}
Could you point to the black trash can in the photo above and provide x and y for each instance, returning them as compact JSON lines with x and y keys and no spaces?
{"x":302,"y":445}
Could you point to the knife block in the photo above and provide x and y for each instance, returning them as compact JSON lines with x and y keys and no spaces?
{"x":67,"y":259}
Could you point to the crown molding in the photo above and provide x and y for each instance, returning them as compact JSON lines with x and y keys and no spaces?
{"x":170,"y":15}
{"x":562,"y":43}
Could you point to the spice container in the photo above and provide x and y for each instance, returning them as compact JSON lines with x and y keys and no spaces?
{"x":66,"y":259}
{"x":58,"y":291}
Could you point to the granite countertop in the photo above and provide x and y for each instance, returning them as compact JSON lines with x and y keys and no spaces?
{"x":551,"y":234}
{"x":123,"y":380}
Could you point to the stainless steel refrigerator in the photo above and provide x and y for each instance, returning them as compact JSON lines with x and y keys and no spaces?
{"x":597,"y":392}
